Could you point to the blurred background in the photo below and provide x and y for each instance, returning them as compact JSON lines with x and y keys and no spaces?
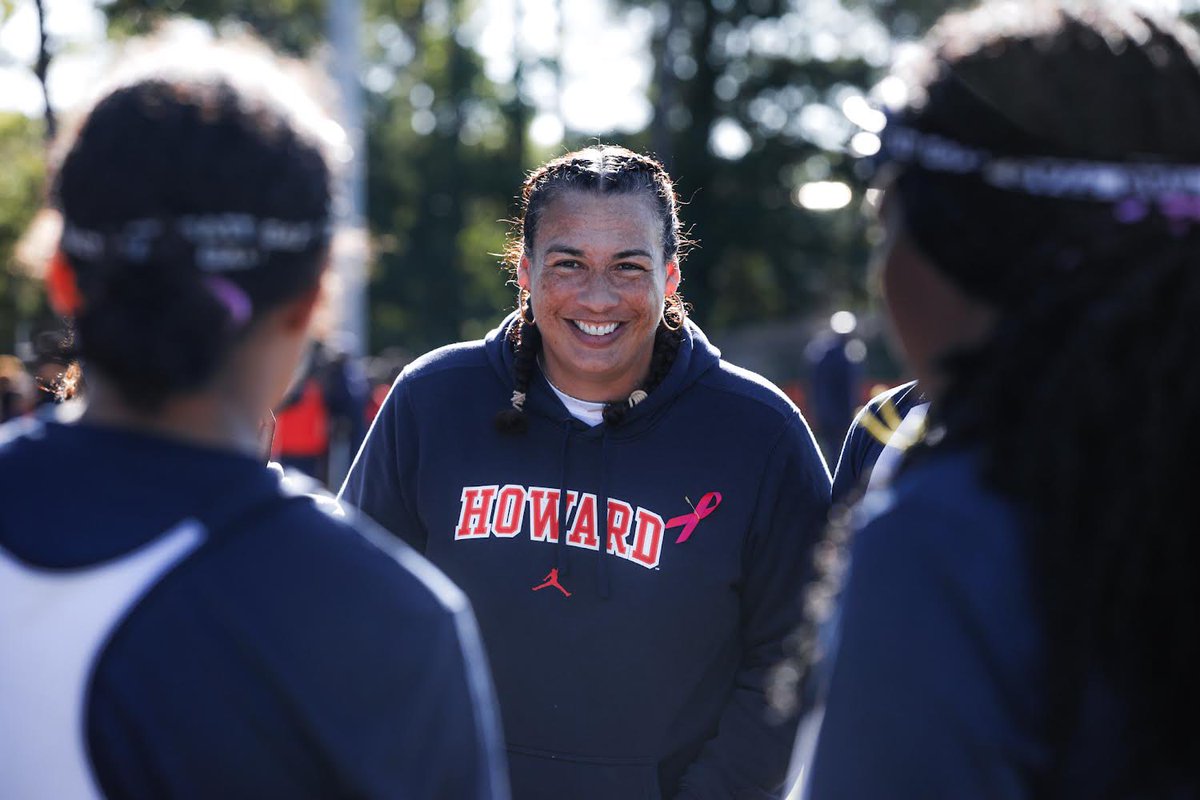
{"x":758,"y":108}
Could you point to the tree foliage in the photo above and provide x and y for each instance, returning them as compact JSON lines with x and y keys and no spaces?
{"x":747,"y":99}
{"x":441,"y":175}
{"x":21,"y":180}
{"x":291,"y":26}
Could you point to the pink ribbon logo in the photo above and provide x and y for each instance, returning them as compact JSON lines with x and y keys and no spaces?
{"x":706,"y":506}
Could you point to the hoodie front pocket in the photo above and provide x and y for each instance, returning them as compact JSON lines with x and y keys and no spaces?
{"x":544,"y":775}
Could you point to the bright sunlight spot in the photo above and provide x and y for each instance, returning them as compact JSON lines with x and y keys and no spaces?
{"x":860,"y":112}
{"x":729,"y":140}
{"x":823,"y":195}
{"x":546,"y":130}
{"x":843,"y":322}
{"x":864,"y":144}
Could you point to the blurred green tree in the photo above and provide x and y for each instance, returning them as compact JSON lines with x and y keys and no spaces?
{"x":748,"y":108}
{"x":21,"y":181}
{"x":291,"y":26}
{"x":442,"y":170}
{"x":749,"y":102}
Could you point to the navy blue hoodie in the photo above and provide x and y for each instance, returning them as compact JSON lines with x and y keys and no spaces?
{"x":936,"y":686}
{"x":175,"y":624}
{"x":635,"y":669}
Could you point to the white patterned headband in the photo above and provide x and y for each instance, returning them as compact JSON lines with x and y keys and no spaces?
{"x":1132,"y":186}
{"x":222,"y":242}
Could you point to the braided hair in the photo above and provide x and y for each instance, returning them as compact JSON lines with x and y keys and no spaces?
{"x":1083,"y":396}
{"x":600,"y":169}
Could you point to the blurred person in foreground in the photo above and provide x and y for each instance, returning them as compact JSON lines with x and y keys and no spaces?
{"x":1019,"y":616}
{"x":631,"y":516}
{"x":174,"y":622}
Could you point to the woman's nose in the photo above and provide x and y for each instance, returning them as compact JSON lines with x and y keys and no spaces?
{"x":598,"y":293}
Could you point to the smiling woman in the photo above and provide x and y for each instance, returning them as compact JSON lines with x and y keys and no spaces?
{"x":605,"y":273}
{"x":631,"y":516}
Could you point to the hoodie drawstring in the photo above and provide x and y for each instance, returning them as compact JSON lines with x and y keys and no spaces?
{"x":602,"y":521}
{"x":560,"y":560}
{"x":560,"y":550}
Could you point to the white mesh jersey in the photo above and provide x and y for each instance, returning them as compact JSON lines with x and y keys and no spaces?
{"x":60,"y":620}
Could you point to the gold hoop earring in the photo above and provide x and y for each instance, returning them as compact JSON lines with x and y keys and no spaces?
{"x":674,"y":312}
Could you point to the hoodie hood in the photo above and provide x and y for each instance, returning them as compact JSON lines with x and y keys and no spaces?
{"x":695,"y":357}
{"x":89,"y":493}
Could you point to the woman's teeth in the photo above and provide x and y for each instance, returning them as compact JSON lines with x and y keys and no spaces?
{"x":596,"y":330}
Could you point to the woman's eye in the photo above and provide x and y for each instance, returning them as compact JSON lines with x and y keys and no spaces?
{"x":629,"y":266}
{"x":567,"y":264}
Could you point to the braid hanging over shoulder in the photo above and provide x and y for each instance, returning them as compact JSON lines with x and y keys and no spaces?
{"x":527,"y":343}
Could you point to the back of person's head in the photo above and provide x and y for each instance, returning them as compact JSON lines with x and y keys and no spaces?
{"x":193,"y":202}
{"x":1048,"y":165}
{"x":1033,"y":81}
{"x":601,"y":169}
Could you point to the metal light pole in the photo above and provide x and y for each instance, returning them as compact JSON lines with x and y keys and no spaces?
{"x":350,"y":251}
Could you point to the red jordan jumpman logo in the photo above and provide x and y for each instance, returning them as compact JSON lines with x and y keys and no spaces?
{"x":552,"y":580}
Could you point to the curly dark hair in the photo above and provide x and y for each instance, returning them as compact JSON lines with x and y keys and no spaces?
{"x":1082,"y":396}
{"x":607,"y":169}
{"x":161,"y":154}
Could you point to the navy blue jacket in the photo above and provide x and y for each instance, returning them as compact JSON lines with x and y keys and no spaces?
{"x":201,"y":633}
{"x":936,"y":686}
{"x":868,"y":435}
{"x":635,"y":669}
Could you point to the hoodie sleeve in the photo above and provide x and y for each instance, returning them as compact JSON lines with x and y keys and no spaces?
{"x":418,"y":724}
{"x":749,"y":755}
{"x":382,"y":480}
{"x":443,"y":697}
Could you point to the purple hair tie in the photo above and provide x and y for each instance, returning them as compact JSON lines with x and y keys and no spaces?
{"x":232,"y":296}
{"x":1180,"y":206}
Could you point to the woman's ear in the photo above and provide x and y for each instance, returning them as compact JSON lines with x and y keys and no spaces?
{"x":62,"y":287}
{"x":673,"y":277}
{"x":524,"y":278}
